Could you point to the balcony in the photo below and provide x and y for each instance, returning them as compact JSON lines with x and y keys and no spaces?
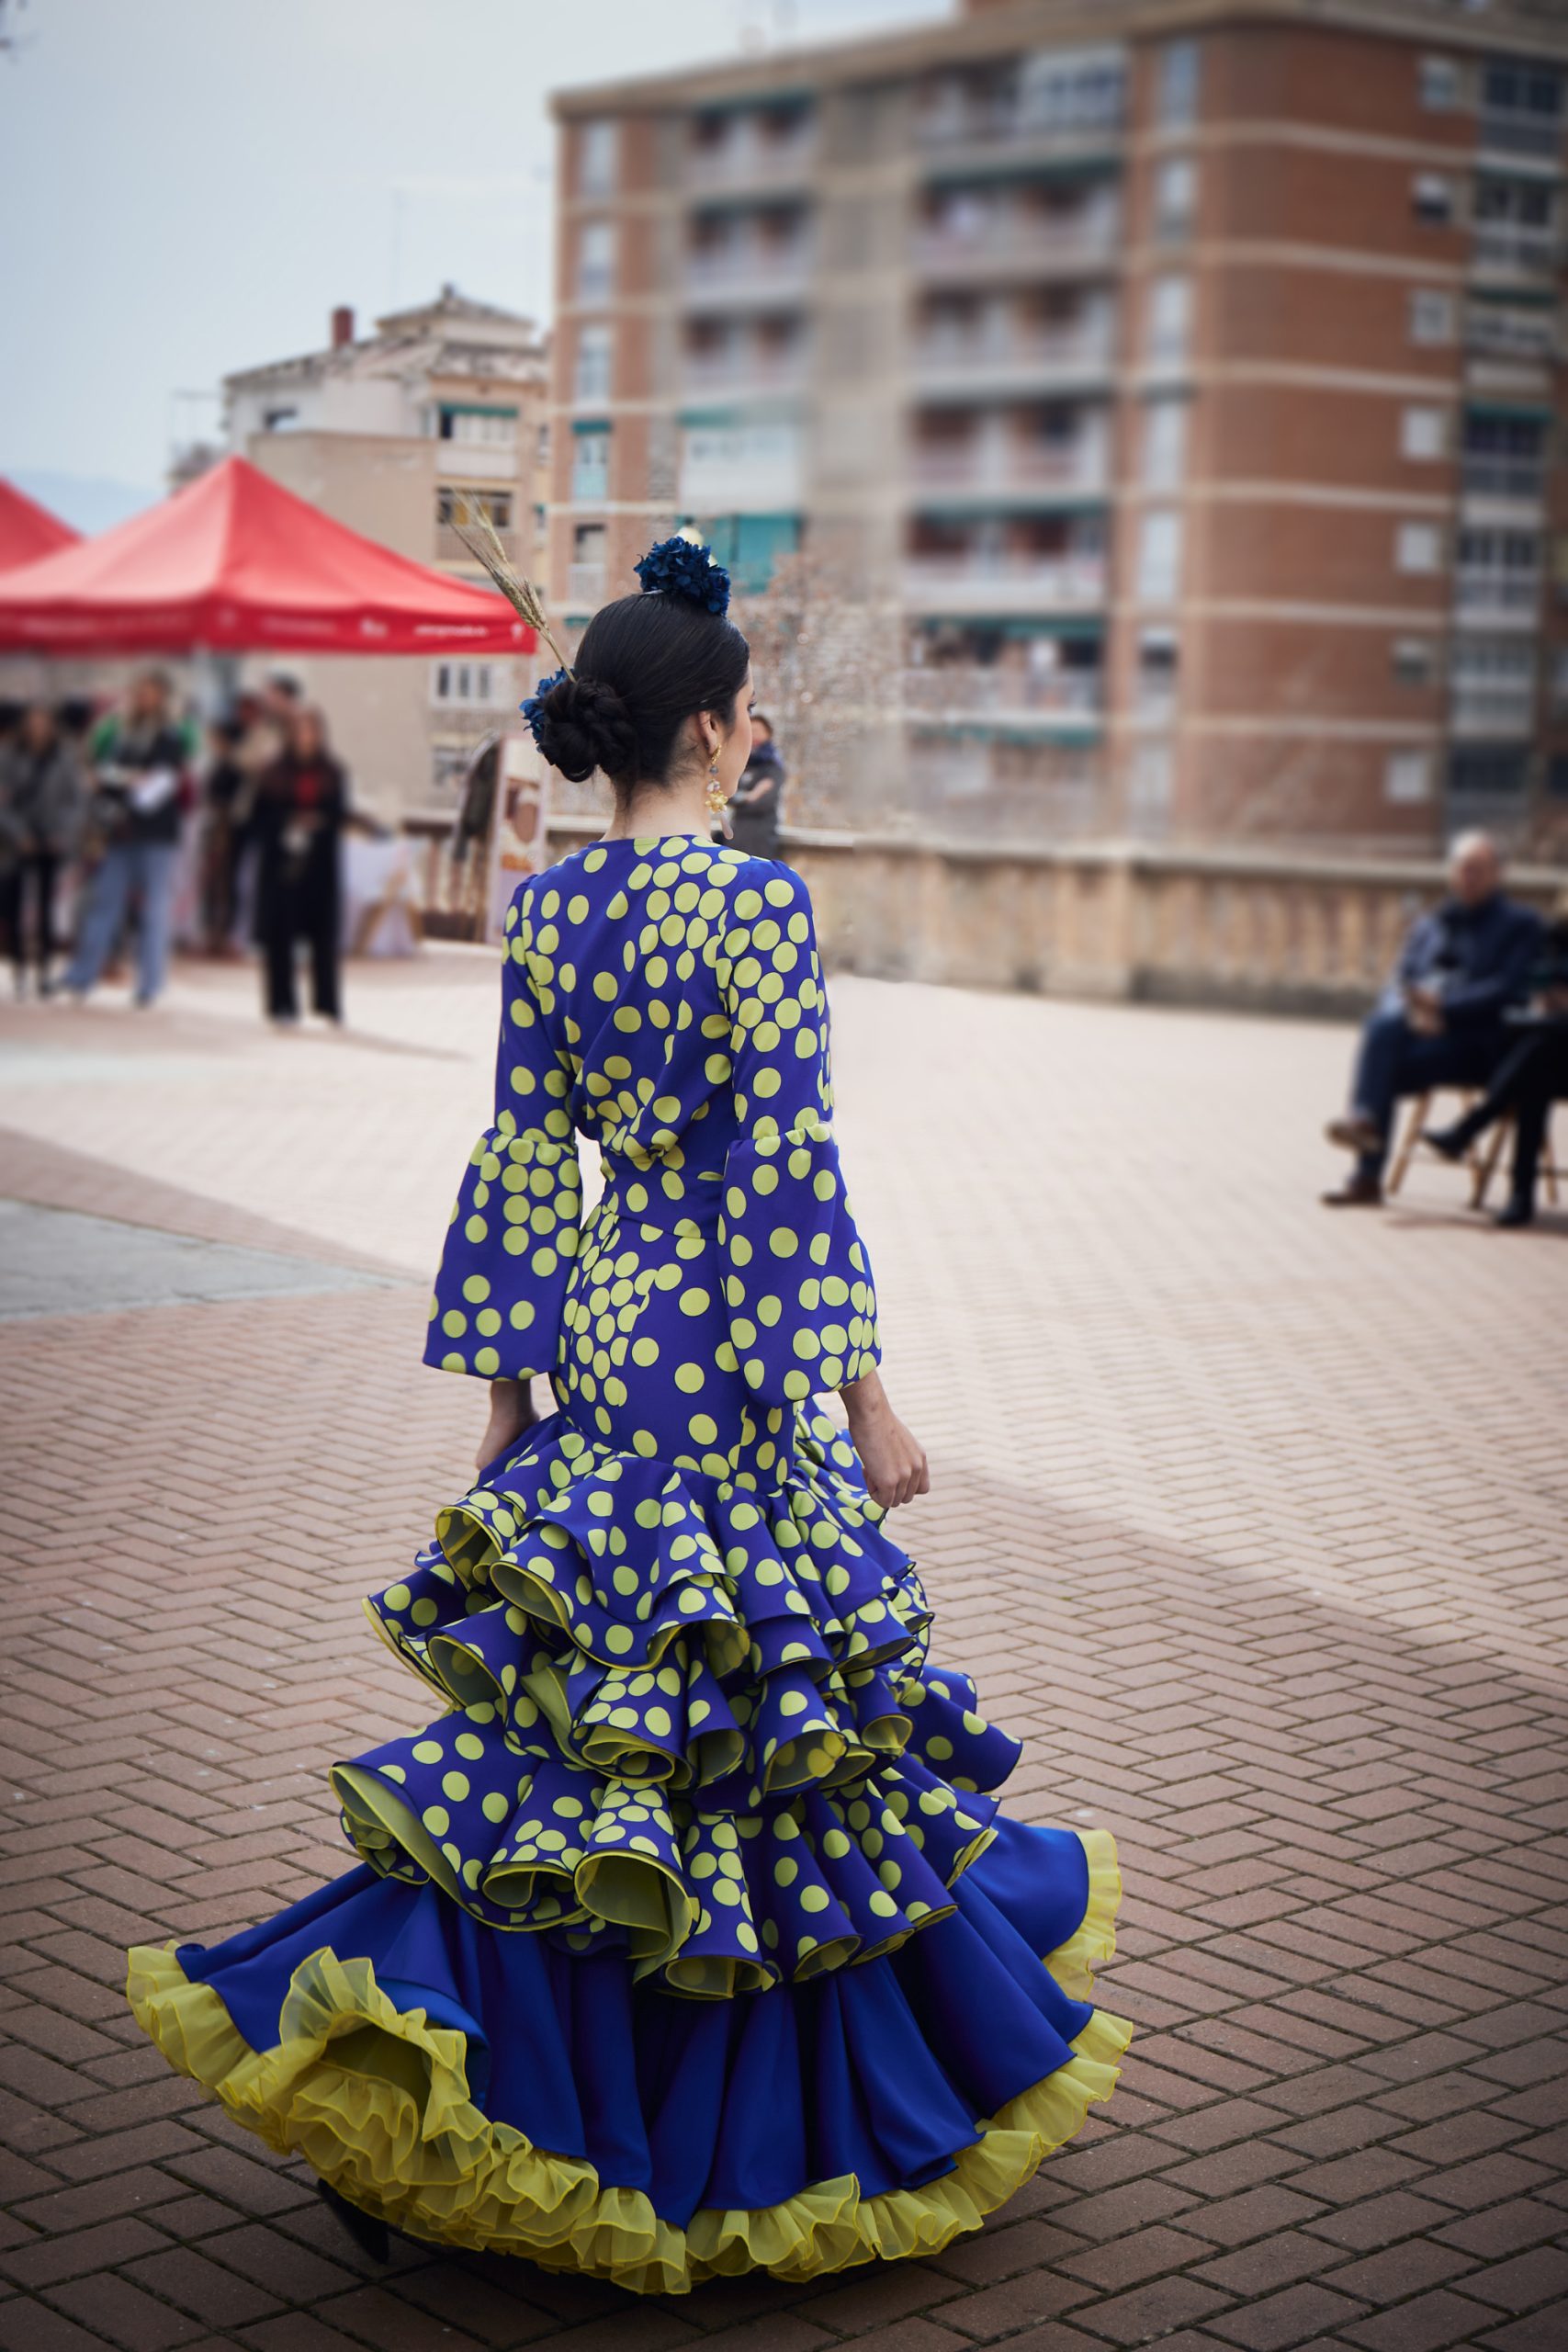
{"x":1506,"y":132}
{"x":1517,"y":248}
{"x":746,"y":373}
{"x":964,"y":694}
{"x":764,"y":274}
{"x":1529,"y":338}
{"x":1518,"y":480}
{"x":1499,"y":712}
{"x":1003,"y":586}
{"x":1009,"y":246}
{"x":1497,"y":598}
{"x":585,"y":583}
{"x":1001,"y":362}
{"x":752,"y":163}
{"x":1010,"y":471}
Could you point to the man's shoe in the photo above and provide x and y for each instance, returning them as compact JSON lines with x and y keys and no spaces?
{"x":1452,"y":1142}
{"x":1515,"y":1212}
{"x":1354,"y":1133}
{"x":1356,"y":1193}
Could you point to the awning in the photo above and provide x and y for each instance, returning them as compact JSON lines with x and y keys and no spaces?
{"x":29,"y":530}
{"x":234,"y":562}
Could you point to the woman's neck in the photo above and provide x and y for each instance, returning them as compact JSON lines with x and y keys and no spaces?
{"x":649,"y":809}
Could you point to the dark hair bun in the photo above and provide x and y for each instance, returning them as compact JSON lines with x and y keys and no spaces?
{"x":583,"y":724}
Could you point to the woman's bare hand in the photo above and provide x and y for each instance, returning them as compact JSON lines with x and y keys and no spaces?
{"x":893,"y":1458}
{"x":510,"y":1412}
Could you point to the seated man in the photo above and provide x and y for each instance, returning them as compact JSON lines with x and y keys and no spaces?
{"x":1531,"y":1077}
{"x":1440,"y":1021}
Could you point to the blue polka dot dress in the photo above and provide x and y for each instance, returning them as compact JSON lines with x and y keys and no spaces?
{"x":687,"y":1937}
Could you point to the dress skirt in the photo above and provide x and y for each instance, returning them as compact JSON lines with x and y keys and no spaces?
{"x":594,"y":1996}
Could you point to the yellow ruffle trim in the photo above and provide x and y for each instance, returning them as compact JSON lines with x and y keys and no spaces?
{"x":376,"y":2100}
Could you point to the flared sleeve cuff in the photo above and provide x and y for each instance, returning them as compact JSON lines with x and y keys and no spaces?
{"x":501,"y":1288}
{"x":802,"y":1304}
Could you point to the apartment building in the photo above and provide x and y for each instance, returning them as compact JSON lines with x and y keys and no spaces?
{"x":1176,"y":384}
{"x":392,"y":432}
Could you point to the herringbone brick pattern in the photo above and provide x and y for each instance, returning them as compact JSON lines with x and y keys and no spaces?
{"x":1249,"y":1518}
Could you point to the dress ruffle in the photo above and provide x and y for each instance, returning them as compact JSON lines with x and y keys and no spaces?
{"x":687,"y":1718}
{"x":391,"y":2090}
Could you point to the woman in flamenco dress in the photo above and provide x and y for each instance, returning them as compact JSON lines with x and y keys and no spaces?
{"x":688,"y":1939}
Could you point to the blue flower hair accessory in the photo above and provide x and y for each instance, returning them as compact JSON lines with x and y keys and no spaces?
{"x":533,"y":710}
{"x":679,"y":567}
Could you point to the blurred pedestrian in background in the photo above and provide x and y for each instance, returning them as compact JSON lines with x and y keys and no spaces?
{"x":1532,"y":1076}
{"x":139,"y":781}
{"x":755,"y":811}
{"x":43,"y":808}
{"x":301,"y":807}
{"x":226,"y":799}
{"x":1442,"y":1019}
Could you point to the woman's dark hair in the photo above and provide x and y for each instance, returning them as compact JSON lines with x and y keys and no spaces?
{"x":644,"y":665}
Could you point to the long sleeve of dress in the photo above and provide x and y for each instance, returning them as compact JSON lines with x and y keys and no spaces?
{"x":798,"y":1284}
{"x":502,"y":1283}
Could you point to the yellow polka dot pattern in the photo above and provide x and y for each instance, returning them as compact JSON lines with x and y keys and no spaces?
{"x":686,"y":1718}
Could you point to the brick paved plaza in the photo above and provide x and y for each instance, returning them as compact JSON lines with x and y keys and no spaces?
{"x":1249,"y":1518}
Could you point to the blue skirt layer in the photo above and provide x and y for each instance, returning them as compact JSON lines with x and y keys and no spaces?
{"x":881,"y":2070}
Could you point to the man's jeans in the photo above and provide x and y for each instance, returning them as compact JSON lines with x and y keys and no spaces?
{"x":1394,"y":1060}
{"x":148,"y":869}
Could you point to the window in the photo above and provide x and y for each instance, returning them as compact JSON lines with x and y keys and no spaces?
{"x":1407,"y":777}
{"x":1504,"y":453}
{"x":1176,"y":197}
{"x":1149,"y":780}
{"x":1557,"y":776}
{"x":1169,"y":319}
{"x":1418,"y":547}
{"x":1160,"y":557}
{"x":476,"y":425}
{"x":480,"y":685}
{"x":590,"y":377}
{"x":1158,"y":672}
{"x":1432,"y":315}
{"x":596,"y":261}
{"x":1070,"y":90}
{"x":1560,"y":678}
{"x":1432,"y":198}
{"x":1179,"y":73}
{"x":1423,"y":432}
{"x":590,"y":466}
{"x":458,"y":505}
{"x":1488,"y":772}
{"x":597,"y":143}
{"x":1524,"y":103}
{"x":1414,"y":660}
{"x":1441,"y":85}
{"x":590,"y":547}
{"x":1165,"y":443}
{"x":279,"y":420}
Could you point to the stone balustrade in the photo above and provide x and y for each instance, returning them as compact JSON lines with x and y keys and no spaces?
{"x":1151,"y":923}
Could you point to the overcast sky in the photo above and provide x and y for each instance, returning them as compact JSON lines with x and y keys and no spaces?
{"x":186,"y":186}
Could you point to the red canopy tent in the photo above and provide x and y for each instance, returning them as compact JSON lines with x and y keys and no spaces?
{"x":29,"y":530}
{"x":235,"y":563}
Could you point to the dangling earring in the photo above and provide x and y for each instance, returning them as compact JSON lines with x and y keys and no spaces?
{"x":718,"y":800}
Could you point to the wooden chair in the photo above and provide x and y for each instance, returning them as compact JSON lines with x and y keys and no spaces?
{"x":1418,"y":1117}
{"x":1483,"y":1160}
